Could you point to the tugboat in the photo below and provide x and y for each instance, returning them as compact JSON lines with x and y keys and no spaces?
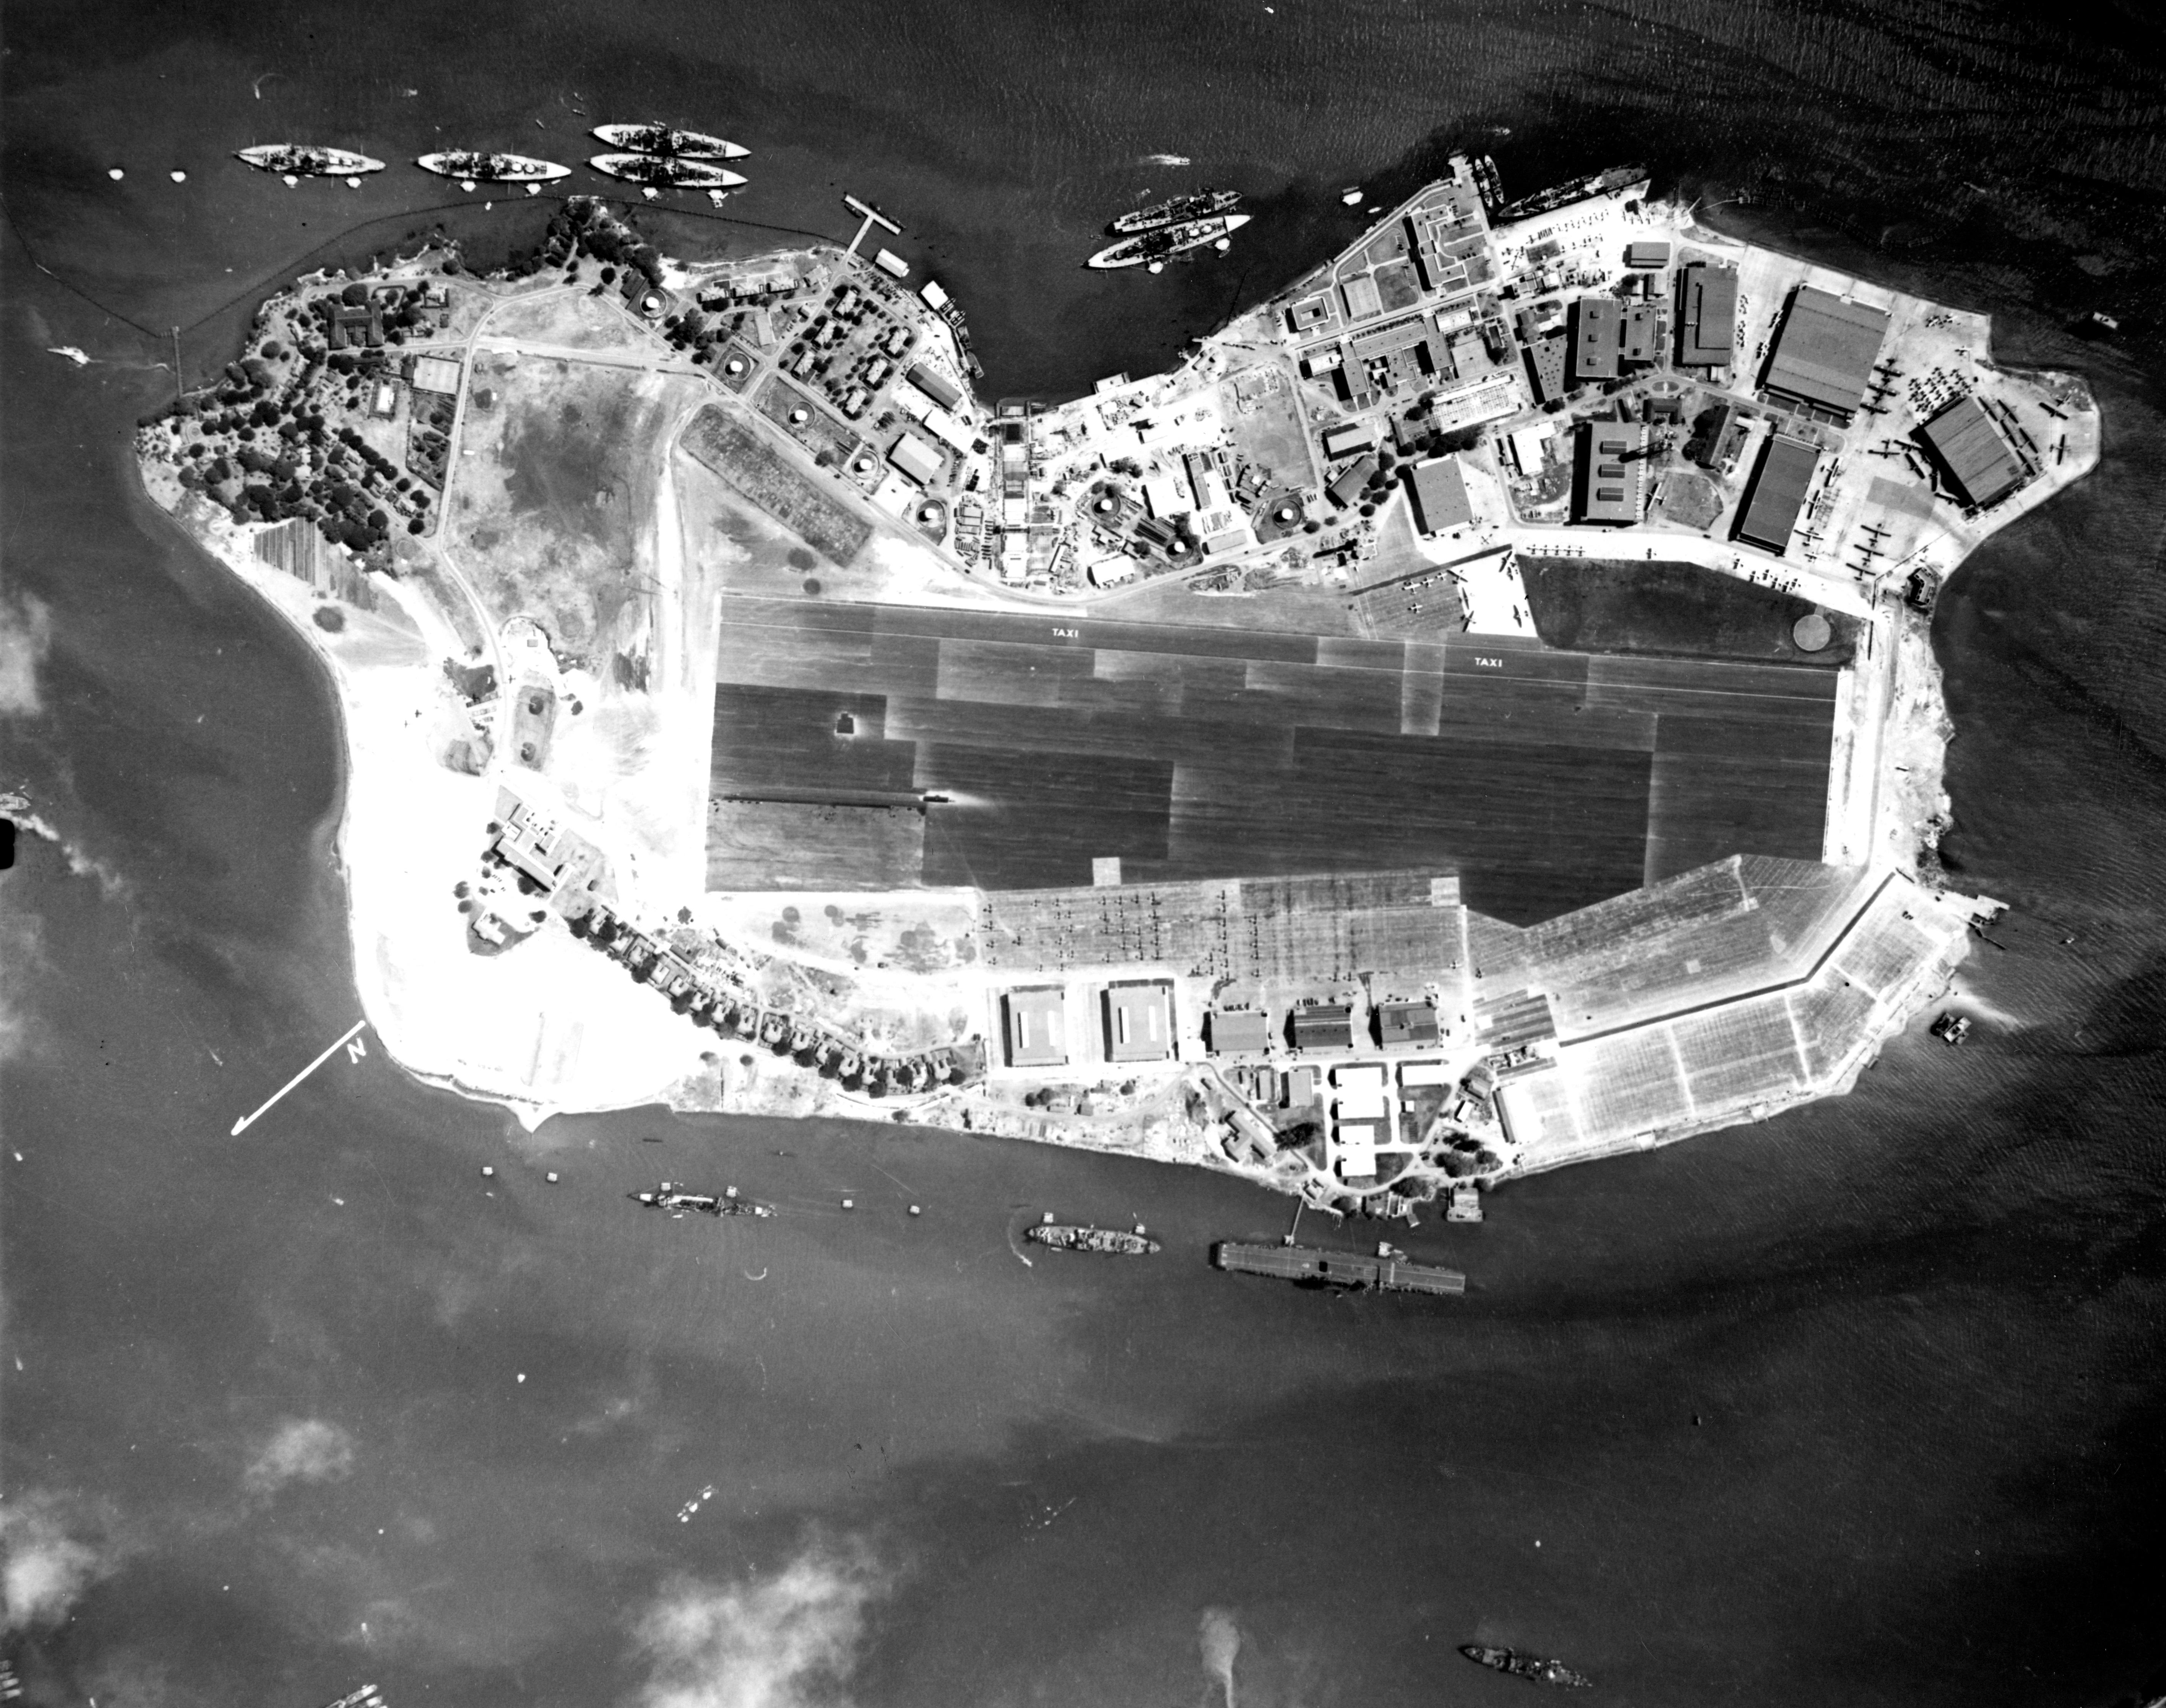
{"x":1105,"y":1242}
{"x":666,"y":139}
{"x":1159,"y":245}
{"x":1951,"y":1028}
{"x":1532,"y":1667}
{"x":470,"y":167}
{"x":667,"y":171}
{"x":293,"y":160}
{"x":1200,"y":206}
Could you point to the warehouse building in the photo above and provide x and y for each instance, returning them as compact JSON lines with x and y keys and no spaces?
{"x":1707,"y":315}
{"x":1608,"y":487}
{"x":1778,"y":492}
{"x":1971,"y":450}
{"x":1324,"y":1026}
{"x":1347,"y":488}
{"x":1035,"y":1028}
{"x":1440,"y":495}
{"x":1824,"y":356}
{"x":915,"y":458}
{"x":1413,"y":1023}
{"x":1138,"y":1020}
{"x":1598,"y":338}
{"x":1646,"y":254}
{"x":936,"y":385}
{"x":1237,"y":1030}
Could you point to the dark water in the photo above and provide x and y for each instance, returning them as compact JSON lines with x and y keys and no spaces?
{"x":1861,"y":1406}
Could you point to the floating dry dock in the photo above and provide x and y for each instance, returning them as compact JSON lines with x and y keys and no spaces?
{"x":1336,"y":1268}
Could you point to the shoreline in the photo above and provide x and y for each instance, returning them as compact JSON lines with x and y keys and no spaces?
{"x":651,"y":1062}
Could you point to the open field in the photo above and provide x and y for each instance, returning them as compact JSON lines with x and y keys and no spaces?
{"x":1604,"y":606}
{"x":1547,"y":779}
{"x":551,"y":503}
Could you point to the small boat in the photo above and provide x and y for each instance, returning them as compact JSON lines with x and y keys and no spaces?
{"x":1104,"y":1242}
{"x":1200,"y":206}
{"x":1350,"y":197}
{"x":666,"y":172}
{"x":1156,"y":247}
{"x":1951,"y":1028}
{"x":292,"y":160}
{"x":1533,"y":1668}
{"x":470,"y":166}
{"x":666,"y":139}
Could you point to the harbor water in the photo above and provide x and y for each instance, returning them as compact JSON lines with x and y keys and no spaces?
{"x":1861,"y":1405}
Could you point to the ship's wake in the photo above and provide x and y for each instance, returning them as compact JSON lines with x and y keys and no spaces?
{"x":1221,"y":1641}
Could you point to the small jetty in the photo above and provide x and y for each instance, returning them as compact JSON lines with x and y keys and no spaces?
{"x":1347,"y":1269}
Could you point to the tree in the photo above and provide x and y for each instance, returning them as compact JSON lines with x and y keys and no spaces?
{"x":354,"y":295}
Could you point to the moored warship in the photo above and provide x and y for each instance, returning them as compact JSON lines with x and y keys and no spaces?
{"x":1535,"y":1668}
{"x":1200,"y":206}
{"x":1105,"y":1242}
{"x":668,"y":140}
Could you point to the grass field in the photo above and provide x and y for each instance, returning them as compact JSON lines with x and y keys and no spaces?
{"x":1548,"y":779}
{"x":1614,"y":606}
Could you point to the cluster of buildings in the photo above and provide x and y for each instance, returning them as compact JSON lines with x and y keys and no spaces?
{"x":567,"y":868}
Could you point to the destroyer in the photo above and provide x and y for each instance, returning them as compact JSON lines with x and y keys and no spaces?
{"x":471,"y":168}
{"x":295,"y":160}
{"x":673,"y":1197}
{"x":1106,"y":1242}
{"x":1159,"y":245}
{"x":1532,"y":1667}
{"x":663,"y":140}
{"x":666,"y":172}
{"x":1202,"y":205}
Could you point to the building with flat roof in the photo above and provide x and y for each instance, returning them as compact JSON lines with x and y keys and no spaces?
{"x":915,"y":458}
{"x":1324,"y":1026}
{"x":1972,"y":450}
{"x":1598,"y":338}
{"x":1353,"y":1150}
{"x":1609,"y":485}
{"x":1707,"y":315}
{"x":1233,"y":1030}
{"x":1642,"y":338}
{"x":1138,"y":1021}
{"x":1349,"y":439}
{"x":1440,"y":495}
{"x":1646,"y":254}
{"x":935,"y":385}
{"x":1545,"y":367}
{"x":1778,"y":492}
{"x":1036,"y":1026}
{"x":1825,"y":354}
{"x":1406,"y":1023}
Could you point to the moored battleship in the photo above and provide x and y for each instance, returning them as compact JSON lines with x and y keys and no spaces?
{"x":1105,"y":1242}
{"x":1162,"y":243}
{"x":295,"y":160}
{"x":1200,"y":206}
{"x":1534,"y":1668}
{"x":675,"y":1199}
{"x":667,"y":140}
{"x":667,"y":171}
{"x":472,"y":166}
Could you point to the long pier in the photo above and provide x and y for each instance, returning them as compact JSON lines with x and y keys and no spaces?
{"x":1336,"y":1268}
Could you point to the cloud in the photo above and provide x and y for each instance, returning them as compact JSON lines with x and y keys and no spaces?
{"x":25,"y":633}
{"x":301,"y":1450}
{"x":47,"y":1560}
{"x":770,"y":1642}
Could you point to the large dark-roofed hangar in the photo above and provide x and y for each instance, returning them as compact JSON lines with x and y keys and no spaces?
{"x":1971,"y":449}
{"x":1779,"y":486}
{"x":1546,"y":780}
{"x":1823,"y":358}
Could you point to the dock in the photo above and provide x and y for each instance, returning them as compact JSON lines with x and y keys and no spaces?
{"x":1336,"y":1268}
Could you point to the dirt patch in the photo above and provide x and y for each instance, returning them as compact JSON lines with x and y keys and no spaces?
{"x":1591,"y":605}
{"x":581,"y":321}
{"x":551,"y":507}
{"x":737,"y":452}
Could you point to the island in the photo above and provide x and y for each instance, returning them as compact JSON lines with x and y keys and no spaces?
{"x":1476,"y":713}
